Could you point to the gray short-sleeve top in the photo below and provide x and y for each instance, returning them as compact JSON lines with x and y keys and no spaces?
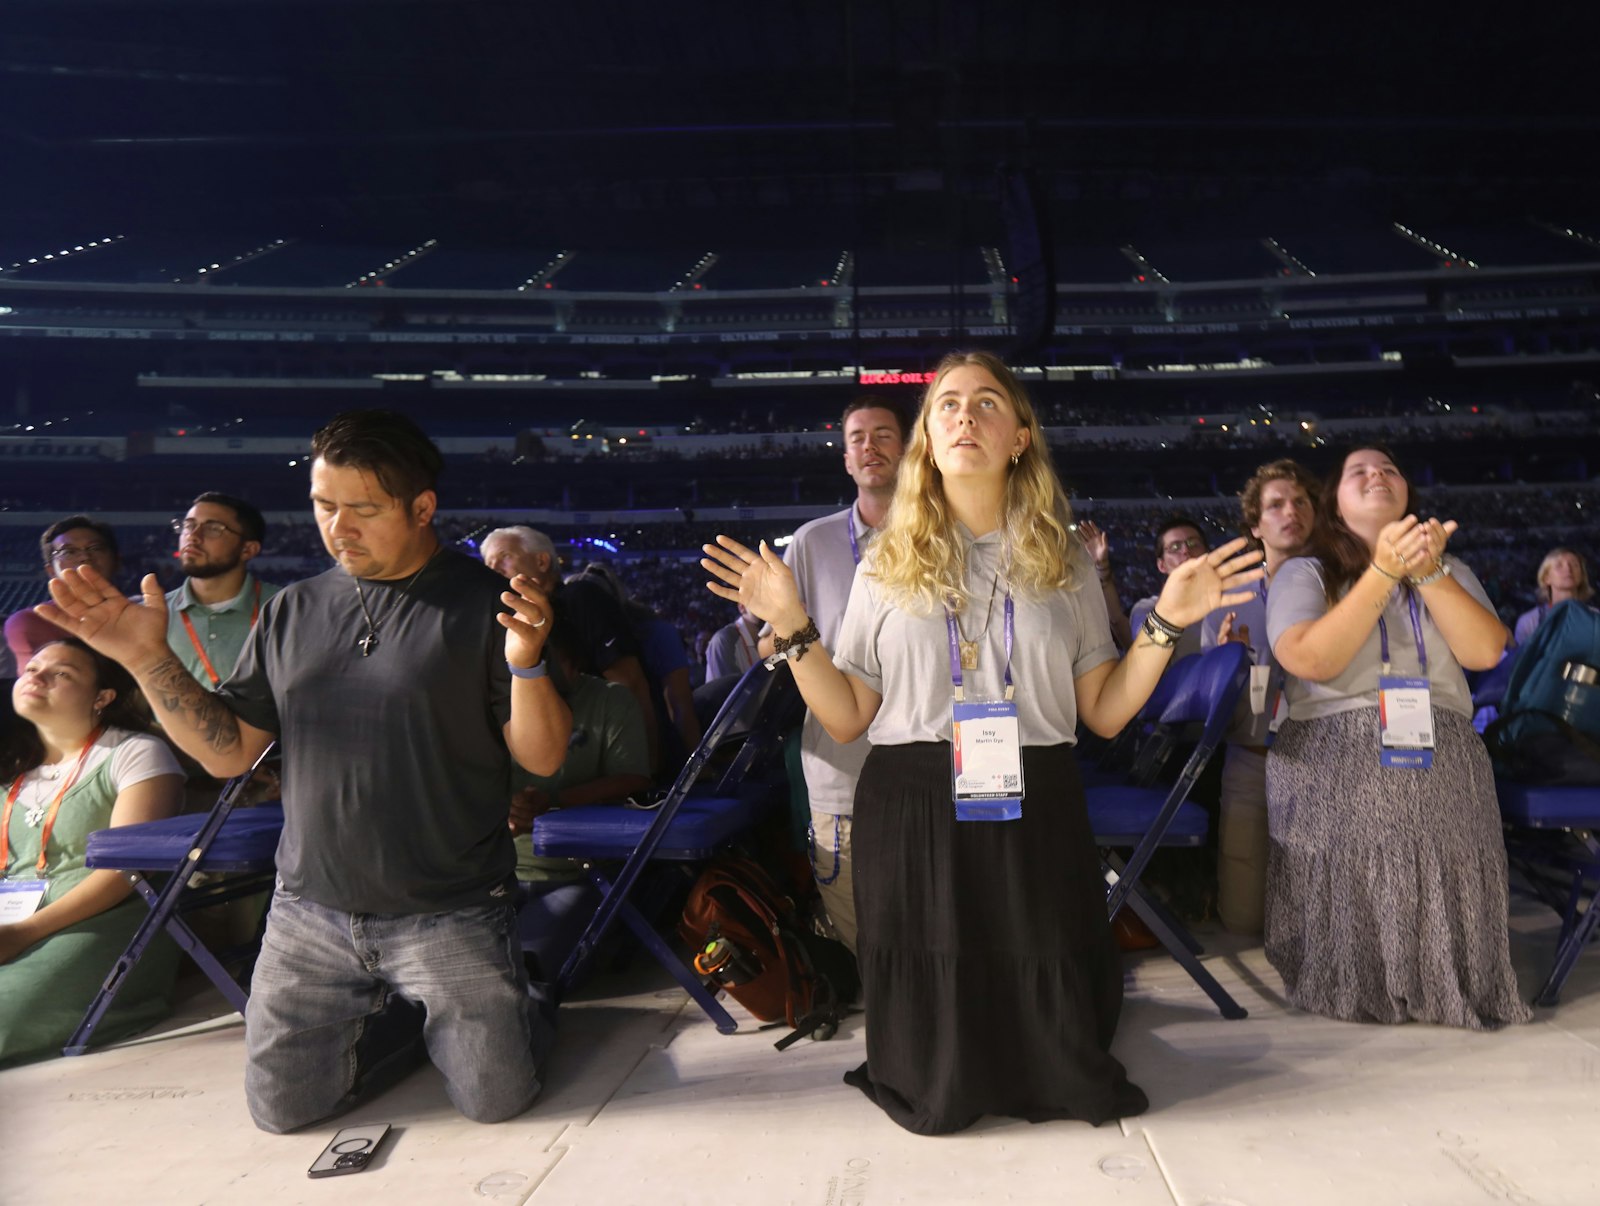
{"x":1297,"y":596}
{"x":905,"y":657}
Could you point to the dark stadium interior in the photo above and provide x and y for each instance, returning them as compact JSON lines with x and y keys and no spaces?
{"x":542,"y":227}
{"x":627,"y":263}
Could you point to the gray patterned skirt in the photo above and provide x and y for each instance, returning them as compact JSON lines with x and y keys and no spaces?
{"x":1386,"y":889}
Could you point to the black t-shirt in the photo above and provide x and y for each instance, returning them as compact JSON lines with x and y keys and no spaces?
{"x":396,"y":772}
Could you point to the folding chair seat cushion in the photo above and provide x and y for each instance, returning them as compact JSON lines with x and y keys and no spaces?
{"x":612,"y":831}
{"x":248,"y":840}
{"x":1121,"y":815}
{"x":1543,"y":806}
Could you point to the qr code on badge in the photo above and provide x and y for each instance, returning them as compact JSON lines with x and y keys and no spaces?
{"x":1424,"y":738}
{"x":1011,"y":781}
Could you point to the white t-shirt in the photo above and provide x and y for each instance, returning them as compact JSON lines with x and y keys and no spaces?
{"x":134,"y":757}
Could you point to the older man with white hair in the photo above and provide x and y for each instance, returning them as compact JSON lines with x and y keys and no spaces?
{"x":596,"y":621}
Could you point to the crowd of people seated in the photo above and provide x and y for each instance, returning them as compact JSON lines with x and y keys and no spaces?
{"x":1506,"y":531}
{"x":467,"y":675}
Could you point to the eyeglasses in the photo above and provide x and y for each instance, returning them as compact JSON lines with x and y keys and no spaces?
{"x":1192,"y":545}
{"x":72,"y":552}
{"x":208,"y":529}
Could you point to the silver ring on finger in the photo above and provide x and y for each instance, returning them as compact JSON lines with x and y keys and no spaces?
{"x":543,"y":620}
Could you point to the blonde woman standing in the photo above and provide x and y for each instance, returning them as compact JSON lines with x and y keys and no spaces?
{"x":975,"y":639}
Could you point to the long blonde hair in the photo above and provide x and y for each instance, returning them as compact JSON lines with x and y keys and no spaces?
{"x":918,"y":559}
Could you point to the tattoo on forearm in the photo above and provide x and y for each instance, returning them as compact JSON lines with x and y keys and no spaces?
{"x":176,"y":694}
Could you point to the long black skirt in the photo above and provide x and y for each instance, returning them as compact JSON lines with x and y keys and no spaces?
{"x":991,"y":979}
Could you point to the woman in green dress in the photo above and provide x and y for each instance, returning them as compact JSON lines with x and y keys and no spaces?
{"x":75,"y":760}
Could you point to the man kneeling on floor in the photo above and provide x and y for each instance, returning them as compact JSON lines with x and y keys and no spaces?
{"x":401,"y":693}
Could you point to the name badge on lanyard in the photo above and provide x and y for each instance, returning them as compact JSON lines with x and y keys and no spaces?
{"x":1267,"y":697}
{"x":1405,"y":705}
{"x":19,"y":898}
{"x":985,"y":742}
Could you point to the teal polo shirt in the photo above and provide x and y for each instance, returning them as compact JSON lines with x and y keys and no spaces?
{"x":219,"y":630}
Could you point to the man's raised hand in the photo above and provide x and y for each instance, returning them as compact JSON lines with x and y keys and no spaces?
{"x":85,"y":605}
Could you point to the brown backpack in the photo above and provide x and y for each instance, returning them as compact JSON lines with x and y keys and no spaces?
{"x":752,"y":938}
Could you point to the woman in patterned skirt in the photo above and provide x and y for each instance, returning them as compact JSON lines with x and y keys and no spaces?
{"x":991,"y":979}
{"x":1386,"y":875}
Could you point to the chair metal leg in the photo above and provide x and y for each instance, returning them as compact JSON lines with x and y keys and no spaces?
{"x":645,"y":932}
{"x":1114,"y":872}
{"x":1572,"y":943}
{"x":668,"y":958}
{"x":1178,"y":948}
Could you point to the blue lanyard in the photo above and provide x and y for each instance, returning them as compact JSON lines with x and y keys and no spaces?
{"x":855,"y":546}
{"x":955,"y":646}
{"x":1416,"y":631}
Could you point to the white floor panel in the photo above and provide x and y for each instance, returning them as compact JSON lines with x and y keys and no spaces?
{"x":727,"y":1118}
{"x":646,"y":1104}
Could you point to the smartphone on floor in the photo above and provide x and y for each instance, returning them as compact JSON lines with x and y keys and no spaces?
{"x":350,"y":1151}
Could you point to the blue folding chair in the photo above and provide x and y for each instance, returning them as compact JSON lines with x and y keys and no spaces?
{"x":242,"y":845}
{"x":1135,"y":813}
{"x":1488,"y":688}
{"x":1550,"y":839}
{"x":1138,"y":749}
{"x":689,"y":825}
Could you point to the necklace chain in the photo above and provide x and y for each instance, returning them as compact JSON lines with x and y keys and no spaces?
{"x":369,"y":641}
{"x":968,"y":646}
{"x":988,"y":613}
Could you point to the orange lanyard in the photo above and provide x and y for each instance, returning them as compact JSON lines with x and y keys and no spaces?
{"x":194,"y":638}
{"x":55,"y":807}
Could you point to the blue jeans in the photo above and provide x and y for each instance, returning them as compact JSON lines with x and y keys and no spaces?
{"x":342,"y":1003}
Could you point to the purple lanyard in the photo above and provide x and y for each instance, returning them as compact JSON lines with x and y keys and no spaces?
{"x":855,"y":547}
{"x":1416,"y":631}
{"x":955,"y":646}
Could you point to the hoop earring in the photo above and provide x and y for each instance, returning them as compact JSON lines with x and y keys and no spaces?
{"x":1015,"y":457}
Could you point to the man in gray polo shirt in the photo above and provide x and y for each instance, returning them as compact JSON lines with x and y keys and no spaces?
{"x":211,"y":613}
{"x":823,"y":555}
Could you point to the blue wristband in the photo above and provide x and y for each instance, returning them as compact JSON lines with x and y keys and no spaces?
{"x":535,"y":671}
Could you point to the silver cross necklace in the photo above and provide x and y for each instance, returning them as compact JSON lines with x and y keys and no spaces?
{"x":369,"y":641}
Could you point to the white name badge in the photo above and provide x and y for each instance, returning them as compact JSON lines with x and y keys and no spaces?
{"x":986,"y":760}
{"x":1405,"y":722}
{"x":1260,"y":678}
{"x":19,"y":898}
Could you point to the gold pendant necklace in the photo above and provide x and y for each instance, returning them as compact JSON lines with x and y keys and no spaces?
{"x":969,"y":649}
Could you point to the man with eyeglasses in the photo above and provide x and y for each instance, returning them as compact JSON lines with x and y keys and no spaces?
{"x":210,"y":615}
{"x":1178,"y":538}
{"x":67,"y":543}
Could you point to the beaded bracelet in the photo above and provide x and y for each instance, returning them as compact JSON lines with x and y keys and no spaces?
{"x":793,"y":648}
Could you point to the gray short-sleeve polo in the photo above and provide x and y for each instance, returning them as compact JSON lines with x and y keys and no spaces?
{"x":824,"y":565}
{"x":1297,"y":595}
{"x":904,"y":657}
